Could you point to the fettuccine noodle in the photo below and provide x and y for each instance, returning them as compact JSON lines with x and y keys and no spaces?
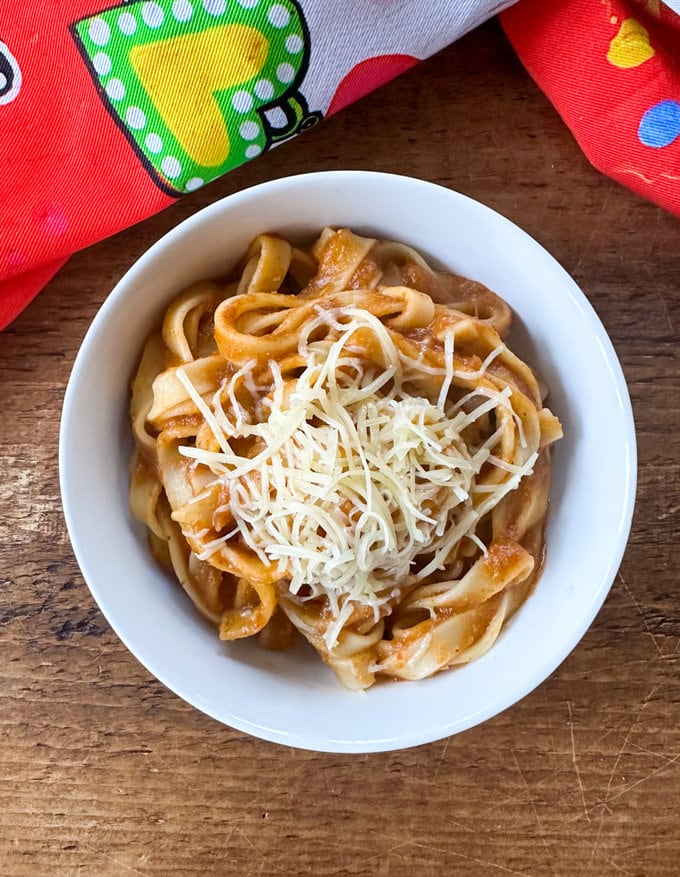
{"x":339,"y":442}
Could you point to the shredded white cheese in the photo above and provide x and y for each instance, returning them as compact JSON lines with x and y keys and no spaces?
{"x":357,"y":478}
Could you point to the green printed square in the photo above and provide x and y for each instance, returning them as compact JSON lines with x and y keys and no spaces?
{"x":190,"y":81}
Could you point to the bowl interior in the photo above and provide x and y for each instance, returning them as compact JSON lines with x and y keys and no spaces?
{"x":268,"y":694}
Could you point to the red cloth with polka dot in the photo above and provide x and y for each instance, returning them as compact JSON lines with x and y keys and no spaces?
{"x":612,"y":71}
{"x":64,"y":181}
{"x":96,"y":135}
{"x":111,"y":109}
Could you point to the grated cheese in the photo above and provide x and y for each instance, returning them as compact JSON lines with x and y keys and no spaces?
{"x":358,"y":478}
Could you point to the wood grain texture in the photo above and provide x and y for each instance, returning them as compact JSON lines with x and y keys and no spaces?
{"x":104,"y":772}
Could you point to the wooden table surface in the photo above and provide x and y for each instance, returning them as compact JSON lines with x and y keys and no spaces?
{"x":104,"y":772}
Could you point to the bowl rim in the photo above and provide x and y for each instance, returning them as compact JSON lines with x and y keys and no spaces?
{"x":124,"y":287}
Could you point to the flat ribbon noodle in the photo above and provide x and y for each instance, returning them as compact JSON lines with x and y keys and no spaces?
{"x":238,"y":389}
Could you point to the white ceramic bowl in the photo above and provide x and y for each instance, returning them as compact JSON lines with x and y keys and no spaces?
{"x":292,"y":698}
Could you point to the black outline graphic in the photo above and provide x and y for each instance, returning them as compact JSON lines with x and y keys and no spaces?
{"x":10,"y":70}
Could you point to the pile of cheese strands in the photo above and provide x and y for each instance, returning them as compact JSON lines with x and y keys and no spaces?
{"x":338,"y":442}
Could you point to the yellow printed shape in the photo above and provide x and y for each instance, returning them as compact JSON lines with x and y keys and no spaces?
{"x":182,"y":73}
{"x":630,"y":47}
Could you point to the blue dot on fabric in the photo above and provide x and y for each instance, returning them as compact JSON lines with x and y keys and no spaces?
{"x":660,"y":125}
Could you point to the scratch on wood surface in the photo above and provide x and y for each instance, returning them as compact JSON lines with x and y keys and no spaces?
{"x":533,"y":807}
{"x":627,"y":735}
{"x":394,"y":850}
{"x":152,"y":752}
{"x":331,"y":790}
{"x":664,"y":305}
{"x":502,"y":804}
{"x":488,"y":864}
{"x":584,"y":250}
{"x":462,"y":825}
{"x":25,"y":636}
{"x":641,"y":612}
{"x":113,"y":859}
{"x":441,"y":758}
{"x":598,"y":223}
{"x":650,"y":249}
{"x":575,"y":761}
{"x":245,"y":838}
{"x":598,"y":740}
{"x":549,"y":713}
{"x":608,"y":859}
{"x":669,"y":512}
{"x":388,"y":852}
{"x":644,"y":779}
{"x":642,"y":615}
{"x":433,"y":849}
{"x":667,"y":758}
{"x":605,"y":808}
{"x":587,"y":751}
{"x":220,"y":817}
{"x":605,"y":804}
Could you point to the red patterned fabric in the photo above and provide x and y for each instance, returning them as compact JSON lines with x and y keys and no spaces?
{"x":612,"y":71}
{"x":110,"y":110}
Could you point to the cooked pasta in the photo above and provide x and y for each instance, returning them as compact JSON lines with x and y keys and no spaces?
{"x":338,"y":442}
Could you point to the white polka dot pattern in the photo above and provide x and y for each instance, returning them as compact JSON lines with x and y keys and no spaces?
{"x":182,"y":10}
{"x":152,"y":14}
{"x":171,"y":167}
{"x":111,"y":37}
{"x":99,"y":32}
